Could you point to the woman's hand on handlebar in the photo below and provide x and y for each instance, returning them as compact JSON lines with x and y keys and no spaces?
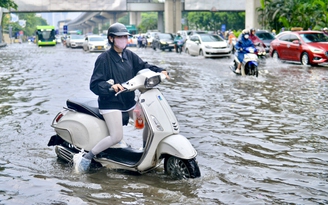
{"x":118,"y":87}
{"x":166,"y":74}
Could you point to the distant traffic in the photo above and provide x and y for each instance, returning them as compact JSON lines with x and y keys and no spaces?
{"x":306,"y":47}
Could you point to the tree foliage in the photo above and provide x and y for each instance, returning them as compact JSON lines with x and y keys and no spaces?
{"x":124,"y":20}
{"x":148,"y":22}
{"x":31,"y":22}
{"x":8,"y":4}
{"x":213,"y":21}
{"x":276,"y":14}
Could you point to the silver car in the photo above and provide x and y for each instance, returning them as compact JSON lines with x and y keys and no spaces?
{"x":95,"y":43}
{"x":74,"y":41}
{"x":207,"y":45}
{"x":266,"y":37}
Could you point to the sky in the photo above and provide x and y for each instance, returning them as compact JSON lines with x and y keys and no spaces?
{"x":53,"y":18}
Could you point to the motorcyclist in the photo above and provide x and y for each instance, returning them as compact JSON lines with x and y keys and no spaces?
{"x":255,"y":39}
{"x":241,"y":45}
{"x":178,"y":40}
{"x":231,"y":37}
{"x":232,"y":40}
{"x":144,"y":41}
{"x":113,"y":67}
{"x":139,"y":41}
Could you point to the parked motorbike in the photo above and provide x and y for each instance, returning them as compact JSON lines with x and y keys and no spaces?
{"x":249,"y":65}
{"x":80,"y":126}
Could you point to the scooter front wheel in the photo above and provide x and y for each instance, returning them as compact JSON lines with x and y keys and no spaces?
{"x":181,"y":168}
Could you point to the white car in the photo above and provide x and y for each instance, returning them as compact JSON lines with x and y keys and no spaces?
{"x":187,"y":33}
{"x":207,"y":45}
{"x":95,"y":43}
{"x":74,"y":41}
{"x":150,"y":36}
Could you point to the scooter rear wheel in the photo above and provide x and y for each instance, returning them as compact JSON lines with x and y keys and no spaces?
{"x":181,"y":168}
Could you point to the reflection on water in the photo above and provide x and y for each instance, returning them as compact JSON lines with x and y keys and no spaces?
{"x":259,"y":140}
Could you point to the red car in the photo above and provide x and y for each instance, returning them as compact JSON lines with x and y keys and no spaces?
{"x":307,"y":47}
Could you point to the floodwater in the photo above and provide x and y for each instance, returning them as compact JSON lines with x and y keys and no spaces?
{"x":259,"y":140}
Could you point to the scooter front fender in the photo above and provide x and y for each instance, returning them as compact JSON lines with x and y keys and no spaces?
{"x":178,"y":146}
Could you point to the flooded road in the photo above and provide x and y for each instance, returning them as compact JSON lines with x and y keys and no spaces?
{"x":259,"y":140}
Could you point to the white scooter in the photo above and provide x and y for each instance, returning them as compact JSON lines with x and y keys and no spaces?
{"x":249,"y":65}
{"x":81,"y":126}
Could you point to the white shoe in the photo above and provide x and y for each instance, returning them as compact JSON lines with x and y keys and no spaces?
{"x":237,"y":71}
{"x":81,"y":164}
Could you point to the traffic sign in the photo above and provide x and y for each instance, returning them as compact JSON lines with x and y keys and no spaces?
{"x":223,"y":27}
{"x":65,"y":29}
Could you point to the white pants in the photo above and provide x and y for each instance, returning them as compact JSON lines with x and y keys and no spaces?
{"x":113,"y":119}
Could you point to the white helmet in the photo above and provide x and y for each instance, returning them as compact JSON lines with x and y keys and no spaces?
{"x":245,"y":31}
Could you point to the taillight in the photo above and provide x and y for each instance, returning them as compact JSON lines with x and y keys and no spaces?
{"x":59,"y":116}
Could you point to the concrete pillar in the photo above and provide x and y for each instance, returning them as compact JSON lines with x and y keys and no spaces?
{"x":172,"y":9}
{"x":113,"y":19}
{"x":99,"y":28}
{"x":135,"y":18}
{"x":1,"y":13}
{"x":160,"y":21}
{"x":251,"y":18}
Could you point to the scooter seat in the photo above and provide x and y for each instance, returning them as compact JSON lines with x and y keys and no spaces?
{"x":85,"y":105}
{"x":90,"y":106}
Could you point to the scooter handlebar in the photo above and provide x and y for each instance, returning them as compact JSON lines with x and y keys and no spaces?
{"x":121,"y":91}
{"x":142,"y":80}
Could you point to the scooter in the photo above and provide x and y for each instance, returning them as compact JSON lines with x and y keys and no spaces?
{"x":179,"y":45}
{"x":79,"y":126}
{"x":249,"y":65}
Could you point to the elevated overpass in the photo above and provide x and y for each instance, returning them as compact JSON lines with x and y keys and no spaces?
{"x":97,"y":12}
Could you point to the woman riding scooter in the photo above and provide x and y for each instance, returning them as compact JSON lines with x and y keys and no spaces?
{"x":243,"y":43}
{"x":260,"y":46}
{"x":255,"y":39}
{"x":112,"y":68}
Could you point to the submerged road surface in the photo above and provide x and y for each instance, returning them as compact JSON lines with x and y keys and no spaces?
{"x":259,"y":140}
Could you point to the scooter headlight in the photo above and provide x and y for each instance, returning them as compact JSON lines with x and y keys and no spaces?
{"x":152,"y":81}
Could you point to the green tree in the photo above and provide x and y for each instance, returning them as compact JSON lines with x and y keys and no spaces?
{"x":293,"y":13}
{"x":148,"y":22}
{"x":31,"y":22}
{"x":8,"y":4}
{"x":124,"y":20}
{"x":214,"y":20}
{"x":14,"y":25}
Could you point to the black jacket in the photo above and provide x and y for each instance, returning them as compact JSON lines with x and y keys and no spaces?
{"x":109,"y":65}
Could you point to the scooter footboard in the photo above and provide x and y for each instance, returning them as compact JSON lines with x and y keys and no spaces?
{"x":178,"y":146}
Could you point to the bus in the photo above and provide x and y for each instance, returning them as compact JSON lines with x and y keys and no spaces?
{"x":131,"y":29}
{"x":45,"y":36}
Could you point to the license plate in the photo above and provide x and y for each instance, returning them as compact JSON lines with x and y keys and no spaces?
{"x":99,"y":47}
